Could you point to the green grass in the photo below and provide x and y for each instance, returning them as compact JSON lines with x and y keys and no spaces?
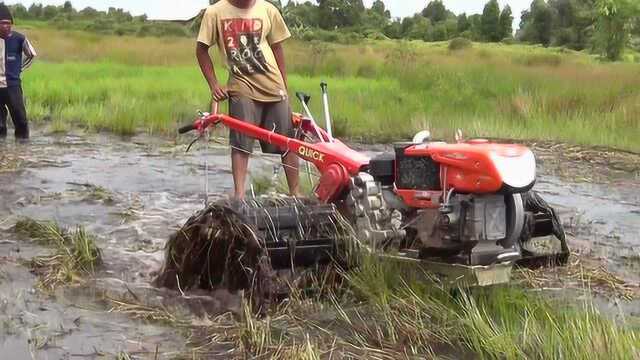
{"x":380,"y":91}
{"x":505,"y":322}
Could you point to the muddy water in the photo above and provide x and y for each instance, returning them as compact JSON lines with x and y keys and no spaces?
{"x":604,"y":219}
{"x":132,"y":193}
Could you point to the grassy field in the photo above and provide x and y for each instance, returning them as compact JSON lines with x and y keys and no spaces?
{"x":380,"y":91}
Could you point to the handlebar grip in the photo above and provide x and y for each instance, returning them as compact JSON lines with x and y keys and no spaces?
{"x":186,"y":129}
{"x":303,"y":97}
{"x":324,"y":87}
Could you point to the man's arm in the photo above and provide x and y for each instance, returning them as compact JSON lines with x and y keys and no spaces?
{"x":278,"y":53}
{"x":206,"y":66}
{"x":29,"y":53}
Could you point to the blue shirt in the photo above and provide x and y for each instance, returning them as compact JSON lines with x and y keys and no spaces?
{"x":18,"y":55}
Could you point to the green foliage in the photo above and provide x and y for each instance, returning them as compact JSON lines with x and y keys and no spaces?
{"x":614,"y":25}
{"x":375,"y":19}
{"x":460,"y":44}
{"x":419,"y":29}
{"x":304,"y":15}
{"x":506,"y":23}
{"x":338,"y":37}
{"x":567,"y":23}
{"x":463,"y":23}
{"x":537,"y":23}
{"x":339,"y":13}
{"x":491,"y":22}
{"x":435,"y":11}
{"x":114,"y":21}
{"x":379,"y":8}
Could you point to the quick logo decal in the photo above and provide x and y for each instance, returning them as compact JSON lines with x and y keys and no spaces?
{"x":311,"y":154}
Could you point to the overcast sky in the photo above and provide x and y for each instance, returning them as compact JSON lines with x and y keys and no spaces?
{"x":184,"y":9}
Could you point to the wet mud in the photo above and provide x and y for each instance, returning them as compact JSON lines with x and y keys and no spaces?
{"x":130,"y":193}
{"x":134,"y":193}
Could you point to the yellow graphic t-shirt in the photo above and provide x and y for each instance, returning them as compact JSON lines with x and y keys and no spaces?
{"x":244,"y":37}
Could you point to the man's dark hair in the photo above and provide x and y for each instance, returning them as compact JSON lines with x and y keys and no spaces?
{"x":5,"y":13}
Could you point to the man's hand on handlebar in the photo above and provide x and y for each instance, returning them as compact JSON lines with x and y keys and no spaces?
{"x":219,"y":93}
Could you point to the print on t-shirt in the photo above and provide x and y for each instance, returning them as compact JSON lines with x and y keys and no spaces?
{"x":242,"y":39}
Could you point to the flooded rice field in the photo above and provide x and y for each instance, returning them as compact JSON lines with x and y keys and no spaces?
{"x":132,"y":193}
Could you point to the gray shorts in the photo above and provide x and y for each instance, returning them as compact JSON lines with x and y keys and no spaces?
{"x":274,"y":116}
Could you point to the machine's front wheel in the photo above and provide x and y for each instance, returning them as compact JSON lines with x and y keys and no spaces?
{"x":515,"y":220}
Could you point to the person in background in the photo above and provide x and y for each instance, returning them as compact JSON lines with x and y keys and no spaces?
{"x":249,"y":33}
{"x":18,"y":55}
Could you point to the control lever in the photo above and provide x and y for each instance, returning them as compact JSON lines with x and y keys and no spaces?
{"x":214,"y":111}
{"x":327,"y":115}
{"x":304,"y":98}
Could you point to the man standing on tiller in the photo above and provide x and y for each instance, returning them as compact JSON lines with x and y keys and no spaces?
{"x":249,"y":33}
{"x":18,"y":54}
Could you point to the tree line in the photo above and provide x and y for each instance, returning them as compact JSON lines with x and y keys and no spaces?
{"x":114,"y":21}
{"x":600,"y":26}
{"x":604,"y":26}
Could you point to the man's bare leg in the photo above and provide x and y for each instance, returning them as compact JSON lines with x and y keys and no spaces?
{"x":291,"y":170}
{"x":239,"y":165}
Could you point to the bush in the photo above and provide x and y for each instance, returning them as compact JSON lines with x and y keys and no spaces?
{"x":101,"y":26}
{"x":565,"y":37}
{"x":460,"y":44}
{"x":162,"y":29}
{"x":339,"y":37}
{"x":350,"y":38}
{"x":508,"y":41}
{"x":126,"y":29}
{"x":376,"y":35}
{"x":321,"y":35}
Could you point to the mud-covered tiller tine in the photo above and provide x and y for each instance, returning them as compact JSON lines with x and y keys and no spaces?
{"x":542,"y":220}
{"x":295,"y":235}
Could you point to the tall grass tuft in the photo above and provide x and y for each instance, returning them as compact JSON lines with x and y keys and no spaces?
{"x":76,"y":254}
{"x":492,"y":323}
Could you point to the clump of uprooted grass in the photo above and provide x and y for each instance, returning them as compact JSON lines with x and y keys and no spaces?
{"x":215,"y":248}
{"x":76,"y":255}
